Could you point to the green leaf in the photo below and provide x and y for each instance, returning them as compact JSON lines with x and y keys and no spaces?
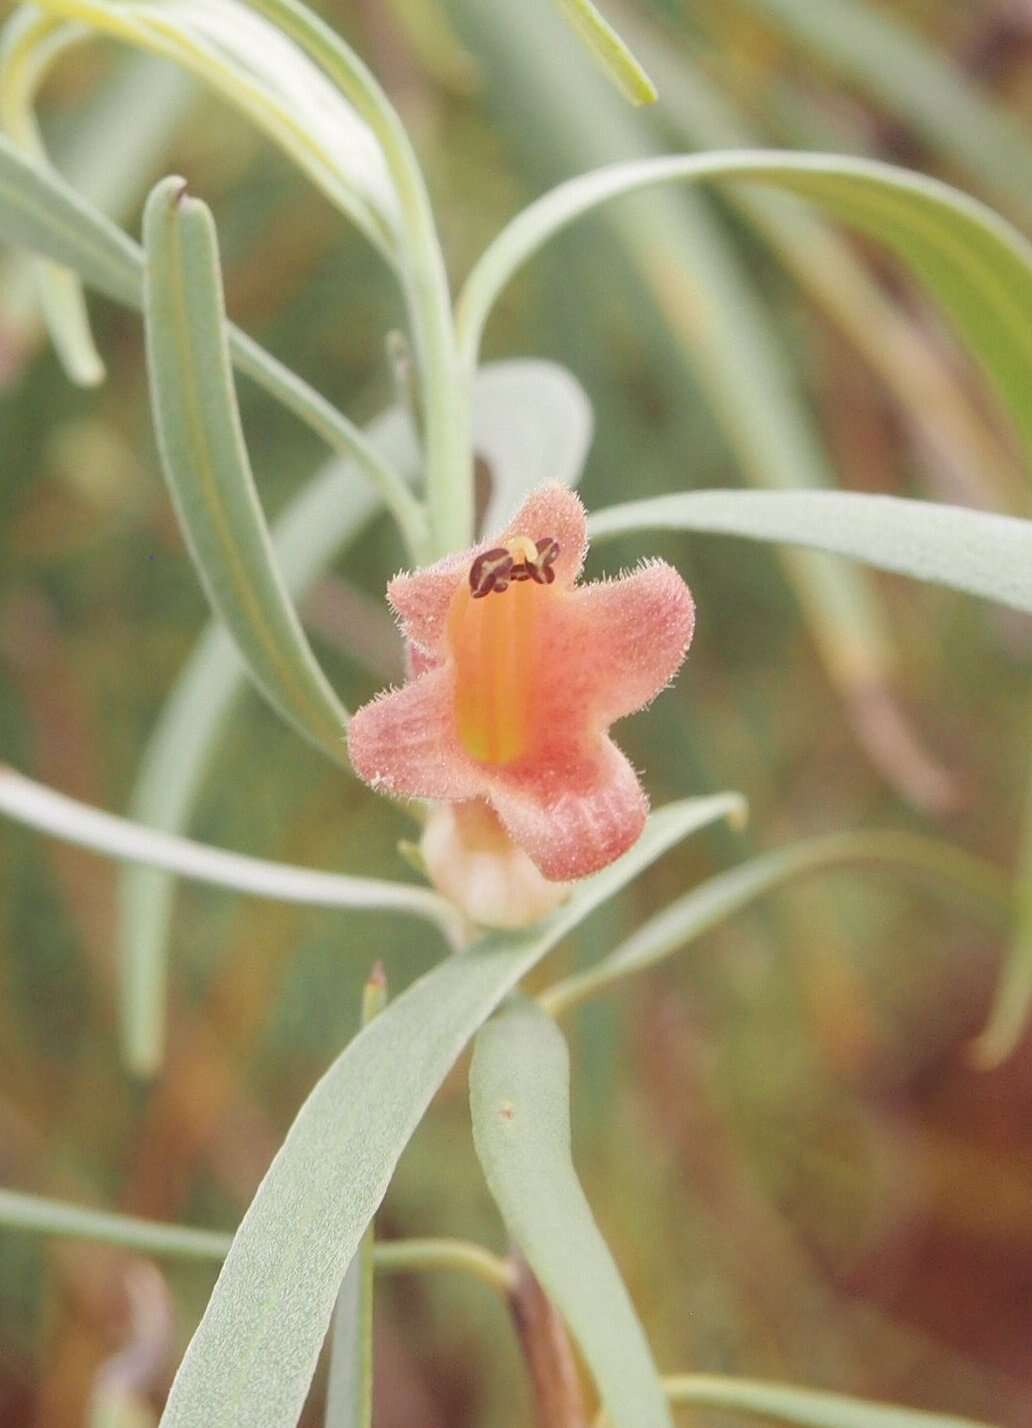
{"x":968,"y":550}
{"x":259,"y":71}
{"x":111,"y":163}
{"x":31,"y":42}
{"x":802,"y":1406}
{"x":37,"y":806}
{"x":609,"y":50}
{"x":969,"y":881}
{"x":917,"y":374}
{"x":895,"y":67}
{"x":520,"y":1099}
{"x":54,"y":1217}
{"x":1012,"y":1002}
{"x":206,"y":465}
{"x":531,"y":423}
{"x":977,"y":264}
{"x":251,"y":1360}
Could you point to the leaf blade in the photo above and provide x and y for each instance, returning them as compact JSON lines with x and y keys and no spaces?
{"x":611,"y":53}
{"x":252,"y":1357}
{"x":207,"y":468}
{"x":973,"y":551}
{"x":520,"y":1102}
{"x":805,"y":1407}
{"x":976,"y":263}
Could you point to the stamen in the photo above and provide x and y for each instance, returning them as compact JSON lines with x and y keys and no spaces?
{"x":522,"y":559}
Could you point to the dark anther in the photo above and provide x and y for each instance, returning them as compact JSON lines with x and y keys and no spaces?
{"x":547,"y":554}
{"x":490,"y":571}
{"x":496,"y":569}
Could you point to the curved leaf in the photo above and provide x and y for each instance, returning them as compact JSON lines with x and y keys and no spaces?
{"x":802,"y":1406}
{"x":609,"y":50}
{"x":31,"y":43}
{"x":1012,"y":1002}
{"x":111,"y":163}
{"x":892,"y":64}
{"x":969,"y":880}
{"x":207,"y":469}
{"x":54,"y":1217}
{"x":251,"y":1360}
{"x":978,"y":265}
{"x":258,"y":70}
{"x":515,"y":404}
{"x":968,"y":550}
{"x":519,"y":1088}
{"x":31,"y":803}
{"x":917,"y":374}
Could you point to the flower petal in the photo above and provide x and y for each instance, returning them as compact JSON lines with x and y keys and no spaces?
{"x":404,"y":742}
{"x":420,"y":599}
{"x":638,"y":630}
{"x":577,"y":819}
{"x":553,"y":511}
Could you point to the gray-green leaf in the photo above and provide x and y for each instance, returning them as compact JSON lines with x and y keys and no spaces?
{"x":974,"y":551}
{"x":520,"y":1099}
{"x":206,"y":465}
{"x":250,"y":1362}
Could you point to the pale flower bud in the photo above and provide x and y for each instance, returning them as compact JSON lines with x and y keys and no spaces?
{"x":472,"y":860}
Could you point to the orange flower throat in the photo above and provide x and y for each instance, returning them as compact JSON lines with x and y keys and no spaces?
{"x":494,"y":642}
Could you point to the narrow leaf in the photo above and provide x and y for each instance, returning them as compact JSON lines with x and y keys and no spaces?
{"x":207,"y":468}
{"x":251,"y":1360}
{"x":976,"y":264}
{"x":1012,"y":1003}
{"x":31,"y":43}
{"x":260,"y":72}
{"x":55,"y":1217}
{"x":520,"y":1099}
{"x":615,"y":59}
{"x":36,"y":806}
{"x":968,"y":550}
{"x":952,"y":872}
{"x":894,"y":66}
{"x":802,"y":1406}
{"x":916,"y":372}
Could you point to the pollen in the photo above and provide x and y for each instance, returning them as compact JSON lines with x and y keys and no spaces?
{"x":494,"y":629}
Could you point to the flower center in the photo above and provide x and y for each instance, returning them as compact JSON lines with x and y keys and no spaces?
{"x":495,"y":642}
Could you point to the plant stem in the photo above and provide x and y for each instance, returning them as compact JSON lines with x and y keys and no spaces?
{"x":546,"y":1347}
{"x":449,"y":466}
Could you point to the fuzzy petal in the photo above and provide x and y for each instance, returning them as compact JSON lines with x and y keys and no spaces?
{"x":579,"y":820}
{"x":553,"y":511}
{"x":420,"y":599}
{"x":404,"y":742}
{"x":638,"y":630}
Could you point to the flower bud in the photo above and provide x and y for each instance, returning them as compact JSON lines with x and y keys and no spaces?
{"x":472,"y":860}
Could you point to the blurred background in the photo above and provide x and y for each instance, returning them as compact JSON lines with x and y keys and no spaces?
{"x":800,"y":1173}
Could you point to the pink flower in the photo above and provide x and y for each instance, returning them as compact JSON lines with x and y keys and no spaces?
{"x":517,"y":674}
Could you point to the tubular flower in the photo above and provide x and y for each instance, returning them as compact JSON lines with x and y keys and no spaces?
{"x":517,"y":674}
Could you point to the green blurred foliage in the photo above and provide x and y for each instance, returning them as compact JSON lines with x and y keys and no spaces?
{"x":798,"y":1173}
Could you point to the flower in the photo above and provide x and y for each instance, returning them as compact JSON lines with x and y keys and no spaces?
{"x":517,"y":672}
